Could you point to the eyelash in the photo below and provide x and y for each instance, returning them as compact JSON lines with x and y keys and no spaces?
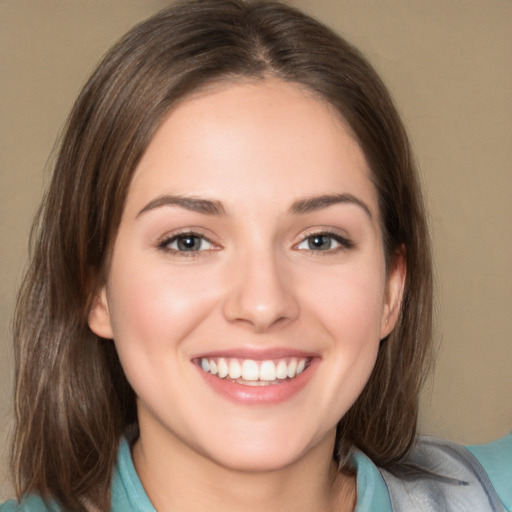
{"x":345,"y":243}
{"x":164,"y":245}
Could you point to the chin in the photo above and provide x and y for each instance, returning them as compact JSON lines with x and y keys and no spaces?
{"x":257,"y":461}
{"x":255,"y":452}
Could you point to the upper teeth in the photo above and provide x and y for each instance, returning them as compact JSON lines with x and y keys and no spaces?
{"x":251,"y":370}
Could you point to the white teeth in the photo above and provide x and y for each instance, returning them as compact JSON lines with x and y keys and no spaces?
{"x":250,"y":370}
{"x":282,"y":370}
{"x":268,"y":370}
{"x":292,"y":368}
{"x":235,"y":369}
{"x":253,"y":371}
{"x":222,"y":367}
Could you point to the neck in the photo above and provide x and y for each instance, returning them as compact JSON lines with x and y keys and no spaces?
{"x":188,"y":481}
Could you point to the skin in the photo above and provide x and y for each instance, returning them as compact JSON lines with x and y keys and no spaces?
{"x":257,"y":282}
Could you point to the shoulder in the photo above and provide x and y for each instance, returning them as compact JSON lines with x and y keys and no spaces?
{"x":127,"y":492}
{"x":496,"y":460}
{"x":31,"y":503}
{"x":440,"y":475}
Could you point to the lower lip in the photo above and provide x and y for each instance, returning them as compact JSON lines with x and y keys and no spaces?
{"x":260,"y":395}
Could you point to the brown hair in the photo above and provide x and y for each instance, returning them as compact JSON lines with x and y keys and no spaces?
{"x":72,"y":400}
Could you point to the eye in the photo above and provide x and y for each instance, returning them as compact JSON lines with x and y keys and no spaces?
{"x":186,"y":242}
{"x":323,"y":242}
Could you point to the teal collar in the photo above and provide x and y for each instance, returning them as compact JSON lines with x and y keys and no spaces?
{"x":372,"y":492}
{"x":128,"y":493}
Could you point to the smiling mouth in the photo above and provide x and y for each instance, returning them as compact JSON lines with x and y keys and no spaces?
{"x":250,"y":372}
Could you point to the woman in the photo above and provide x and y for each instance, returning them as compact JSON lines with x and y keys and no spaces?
{"x":229,"y":302}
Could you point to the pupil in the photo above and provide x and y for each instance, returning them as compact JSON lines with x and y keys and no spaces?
{"x":320,"y":242}
{"x":189,"y":243}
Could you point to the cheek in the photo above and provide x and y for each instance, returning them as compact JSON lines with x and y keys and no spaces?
{"x":348,"y":305}
{"x":156,"y":306}
{"x":152,"y":315}
{"x":348,"y":301}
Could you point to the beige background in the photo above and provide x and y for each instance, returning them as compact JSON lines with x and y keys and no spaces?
{"x":448,"y":64}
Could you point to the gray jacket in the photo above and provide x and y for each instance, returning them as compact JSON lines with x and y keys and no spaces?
{"x":439,"y":476}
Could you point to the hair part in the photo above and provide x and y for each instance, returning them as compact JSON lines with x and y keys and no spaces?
{"x":72,"y":400}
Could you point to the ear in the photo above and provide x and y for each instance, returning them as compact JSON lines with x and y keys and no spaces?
{"x":99,"y":316}
{"x":394,"y":293}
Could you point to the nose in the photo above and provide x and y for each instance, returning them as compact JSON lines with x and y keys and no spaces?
{"x":261,"y":293}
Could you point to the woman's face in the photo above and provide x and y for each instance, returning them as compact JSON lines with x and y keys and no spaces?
{"x":248,"y":292}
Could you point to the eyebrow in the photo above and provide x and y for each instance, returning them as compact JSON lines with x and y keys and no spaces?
{"x":311,"y":204}
{"x":195,"y":204}
{"x":214,"y":207}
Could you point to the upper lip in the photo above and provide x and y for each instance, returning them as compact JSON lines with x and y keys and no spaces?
{"x":257,"y":354}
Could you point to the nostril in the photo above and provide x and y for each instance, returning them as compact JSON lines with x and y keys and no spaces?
{"x":261,"y":300}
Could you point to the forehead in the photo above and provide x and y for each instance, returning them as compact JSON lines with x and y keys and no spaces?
{"x":249,"y":137}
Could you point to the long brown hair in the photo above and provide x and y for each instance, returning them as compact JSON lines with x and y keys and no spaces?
{"x":72,"y":401}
